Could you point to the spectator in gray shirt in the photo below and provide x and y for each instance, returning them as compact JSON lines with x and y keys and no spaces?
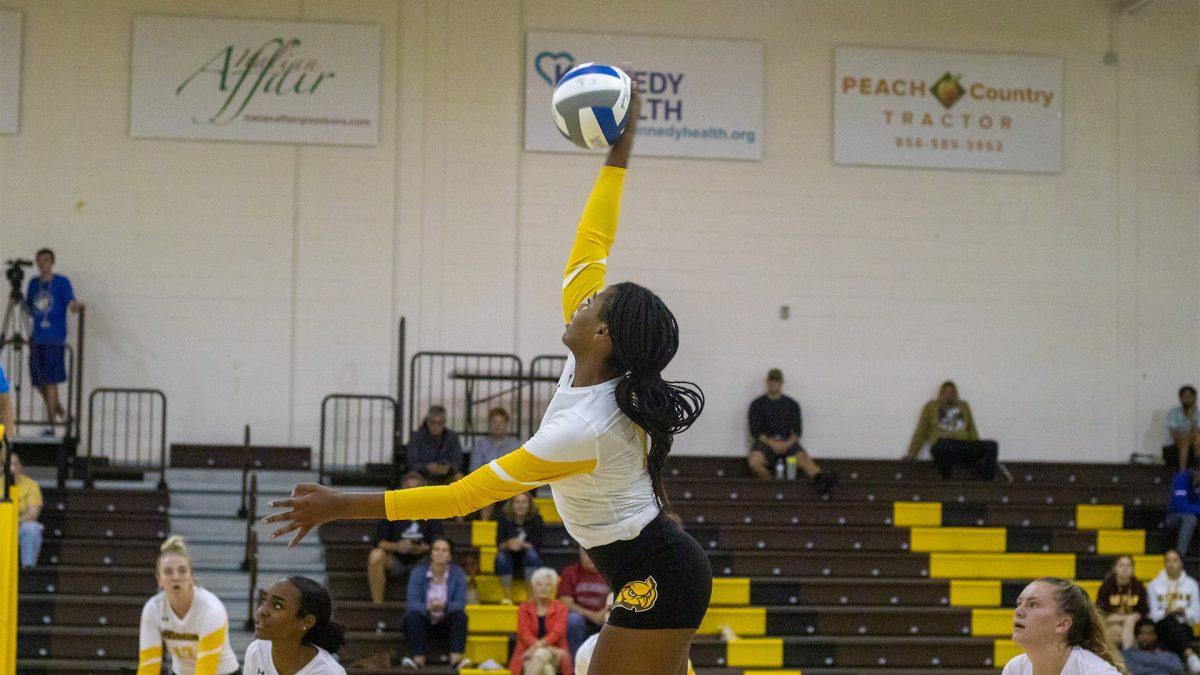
{"x":496,"y":444}
{"x":1146,"y":658}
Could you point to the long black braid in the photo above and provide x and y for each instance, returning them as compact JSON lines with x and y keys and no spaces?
{"x":645,"y":337}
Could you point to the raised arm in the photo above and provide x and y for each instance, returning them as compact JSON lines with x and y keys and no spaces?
{"x":588,"y":260}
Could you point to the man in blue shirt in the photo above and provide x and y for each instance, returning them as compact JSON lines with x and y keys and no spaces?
{"x":1184,"y":508}
{"x":1183,"y":431}
{"x":49,"y":296}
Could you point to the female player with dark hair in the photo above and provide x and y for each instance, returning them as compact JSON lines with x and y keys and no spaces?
{"x":601,"y":446}
{"x":295,"y":635}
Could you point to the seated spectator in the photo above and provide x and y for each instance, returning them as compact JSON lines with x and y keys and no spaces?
{"x":495,"y":445}
{"x":542,"y":631}
{"x":776,"y":426}
{"x":398,"y":546}
{"x":1145,"y":658}
{"x":519,"y":530}
{"x":1184,"y":508}
{"x":583,"y":657}
{"x":437,"y":602}
{"x":29,"y":509}
{"x":434,"y":451}
{"x":1174,"y":600}
{"x":584,"y":591}
{"x":948,"y":427}
{"x":1122,"y":602}
{"x":1184,"y":448}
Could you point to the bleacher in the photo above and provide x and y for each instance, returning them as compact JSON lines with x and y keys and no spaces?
{"x":897,"y":572}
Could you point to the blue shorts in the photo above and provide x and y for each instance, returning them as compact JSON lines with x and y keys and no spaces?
{"x":47,"y":364}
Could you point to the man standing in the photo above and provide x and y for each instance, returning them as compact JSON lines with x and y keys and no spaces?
{"x":49,"y":296}
{"x":1182,"y":427}
{"x":776,"y":427}
{"x":946,"y":424}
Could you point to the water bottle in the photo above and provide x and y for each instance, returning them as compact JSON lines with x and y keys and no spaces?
{"x":791,"y":467}
{"x":779,"y":470}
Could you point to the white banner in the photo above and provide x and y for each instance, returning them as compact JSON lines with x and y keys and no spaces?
{"x":700,"y":98}
{"x":232,"y":79}
{"x":949,"y":110}
{"x":10,"y":71}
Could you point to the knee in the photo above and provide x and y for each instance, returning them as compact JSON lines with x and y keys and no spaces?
{"x":377,"y":558}
{"x":757,"y":461}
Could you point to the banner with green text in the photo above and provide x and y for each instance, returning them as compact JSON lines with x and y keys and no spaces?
{"x":250,"y":80}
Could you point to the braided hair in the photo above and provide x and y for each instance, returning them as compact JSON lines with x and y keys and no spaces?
{"x":645,"y":337}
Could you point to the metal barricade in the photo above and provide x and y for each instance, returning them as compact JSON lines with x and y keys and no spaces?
{"x":544,"y":371}
{"x":356,"y":430}
{"x":127,"y":429}
{"x":467,"y":385}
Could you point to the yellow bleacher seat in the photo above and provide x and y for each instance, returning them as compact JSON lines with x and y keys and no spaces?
{"x":754,"y":653}
{"x":958,"y":539}
{"x":730,"y":591}
{"x":917,"y":514}
{"x":970,"y":593}
{"x":1004,"y":651}
{"x":483,"y":533}
{"x":491,"y":592}
{"x":991,"y":622}
{"x":548,"y":510}
{"x":1099,"y":517}
{"x":1117,"y":542}
{"x":1003,"y":565}
{"x":480,"y":648}
{"x":492,"y":619}
{"x":745,"y":621}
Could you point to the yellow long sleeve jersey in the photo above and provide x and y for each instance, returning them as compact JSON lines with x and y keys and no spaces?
{"x":586,"y":448}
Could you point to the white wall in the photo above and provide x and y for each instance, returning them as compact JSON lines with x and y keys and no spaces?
{"x":250,"y":280}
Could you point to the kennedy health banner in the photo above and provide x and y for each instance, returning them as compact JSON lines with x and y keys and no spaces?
{"x":947,"y":110}
{"x":700,"y":98}
{"x":10,"y":71}
{"x":278,"y":81}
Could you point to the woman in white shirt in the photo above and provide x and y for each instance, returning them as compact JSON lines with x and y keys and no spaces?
{"x":294,"y":631}
{"x":1061,"y":632}
{"x":189,"y":620}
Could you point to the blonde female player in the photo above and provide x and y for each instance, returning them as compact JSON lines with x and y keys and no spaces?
{"x":190,"y":620}
{"x":601,"y":447}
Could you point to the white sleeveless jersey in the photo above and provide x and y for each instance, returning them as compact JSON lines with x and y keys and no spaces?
{"x":259,"y":662}
{"x":615,"y":500}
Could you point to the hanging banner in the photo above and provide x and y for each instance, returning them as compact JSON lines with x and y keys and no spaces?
{"x":277,"y":81}
{"x":947,"y":110}
{"x":700,"y":98}
{"x":10,"y":71}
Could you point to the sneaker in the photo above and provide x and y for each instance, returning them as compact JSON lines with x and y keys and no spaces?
{"x":1193,"y":663}
{"x":409,"y":664}
{"x":464,"y":663}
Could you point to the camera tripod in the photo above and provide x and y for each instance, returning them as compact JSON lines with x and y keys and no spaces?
{"x":17,"y":326}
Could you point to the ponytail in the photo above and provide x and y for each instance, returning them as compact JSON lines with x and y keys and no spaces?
{"x":645,"y":337}
{"x":1087,"y":628}
{"x":315,"y":601}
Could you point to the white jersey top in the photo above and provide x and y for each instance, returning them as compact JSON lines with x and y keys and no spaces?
{"x":198,"y":642}
{"x":258,"y":662}
{"x":583,"y":657}
{"x":615,"y":500}
{"x":1081,"y":662}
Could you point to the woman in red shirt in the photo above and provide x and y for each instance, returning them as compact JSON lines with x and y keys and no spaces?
{"x":542,"y":631}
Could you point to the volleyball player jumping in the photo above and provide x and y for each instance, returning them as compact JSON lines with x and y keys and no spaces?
{"x":601,"y":446}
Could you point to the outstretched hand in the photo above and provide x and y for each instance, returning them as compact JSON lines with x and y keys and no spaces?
{"x":618,"y":154}
{"x":310,"y":505}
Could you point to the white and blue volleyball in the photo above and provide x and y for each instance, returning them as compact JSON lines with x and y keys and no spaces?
{"x":590,"y":103}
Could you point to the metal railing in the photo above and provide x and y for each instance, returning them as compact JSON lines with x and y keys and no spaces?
{"x":357,"y":430}
{"x":252,"y":515}
{"x":124,"y":429}
{"x":247,"y":462}
{"x":467,"y":384}
{"x":544,"y":371}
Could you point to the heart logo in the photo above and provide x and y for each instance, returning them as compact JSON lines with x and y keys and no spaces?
{"x":553,"y":65}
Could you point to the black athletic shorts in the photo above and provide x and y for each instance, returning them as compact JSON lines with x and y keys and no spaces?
{"x":659,"y":579}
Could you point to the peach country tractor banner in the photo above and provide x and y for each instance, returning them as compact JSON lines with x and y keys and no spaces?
{"x":246,"y":80}
{"x":947,"y":110}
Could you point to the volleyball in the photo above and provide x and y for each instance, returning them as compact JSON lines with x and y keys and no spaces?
{"x":589,"y":104}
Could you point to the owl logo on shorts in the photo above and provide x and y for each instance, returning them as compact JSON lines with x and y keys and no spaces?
{"x":638,"y":596}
